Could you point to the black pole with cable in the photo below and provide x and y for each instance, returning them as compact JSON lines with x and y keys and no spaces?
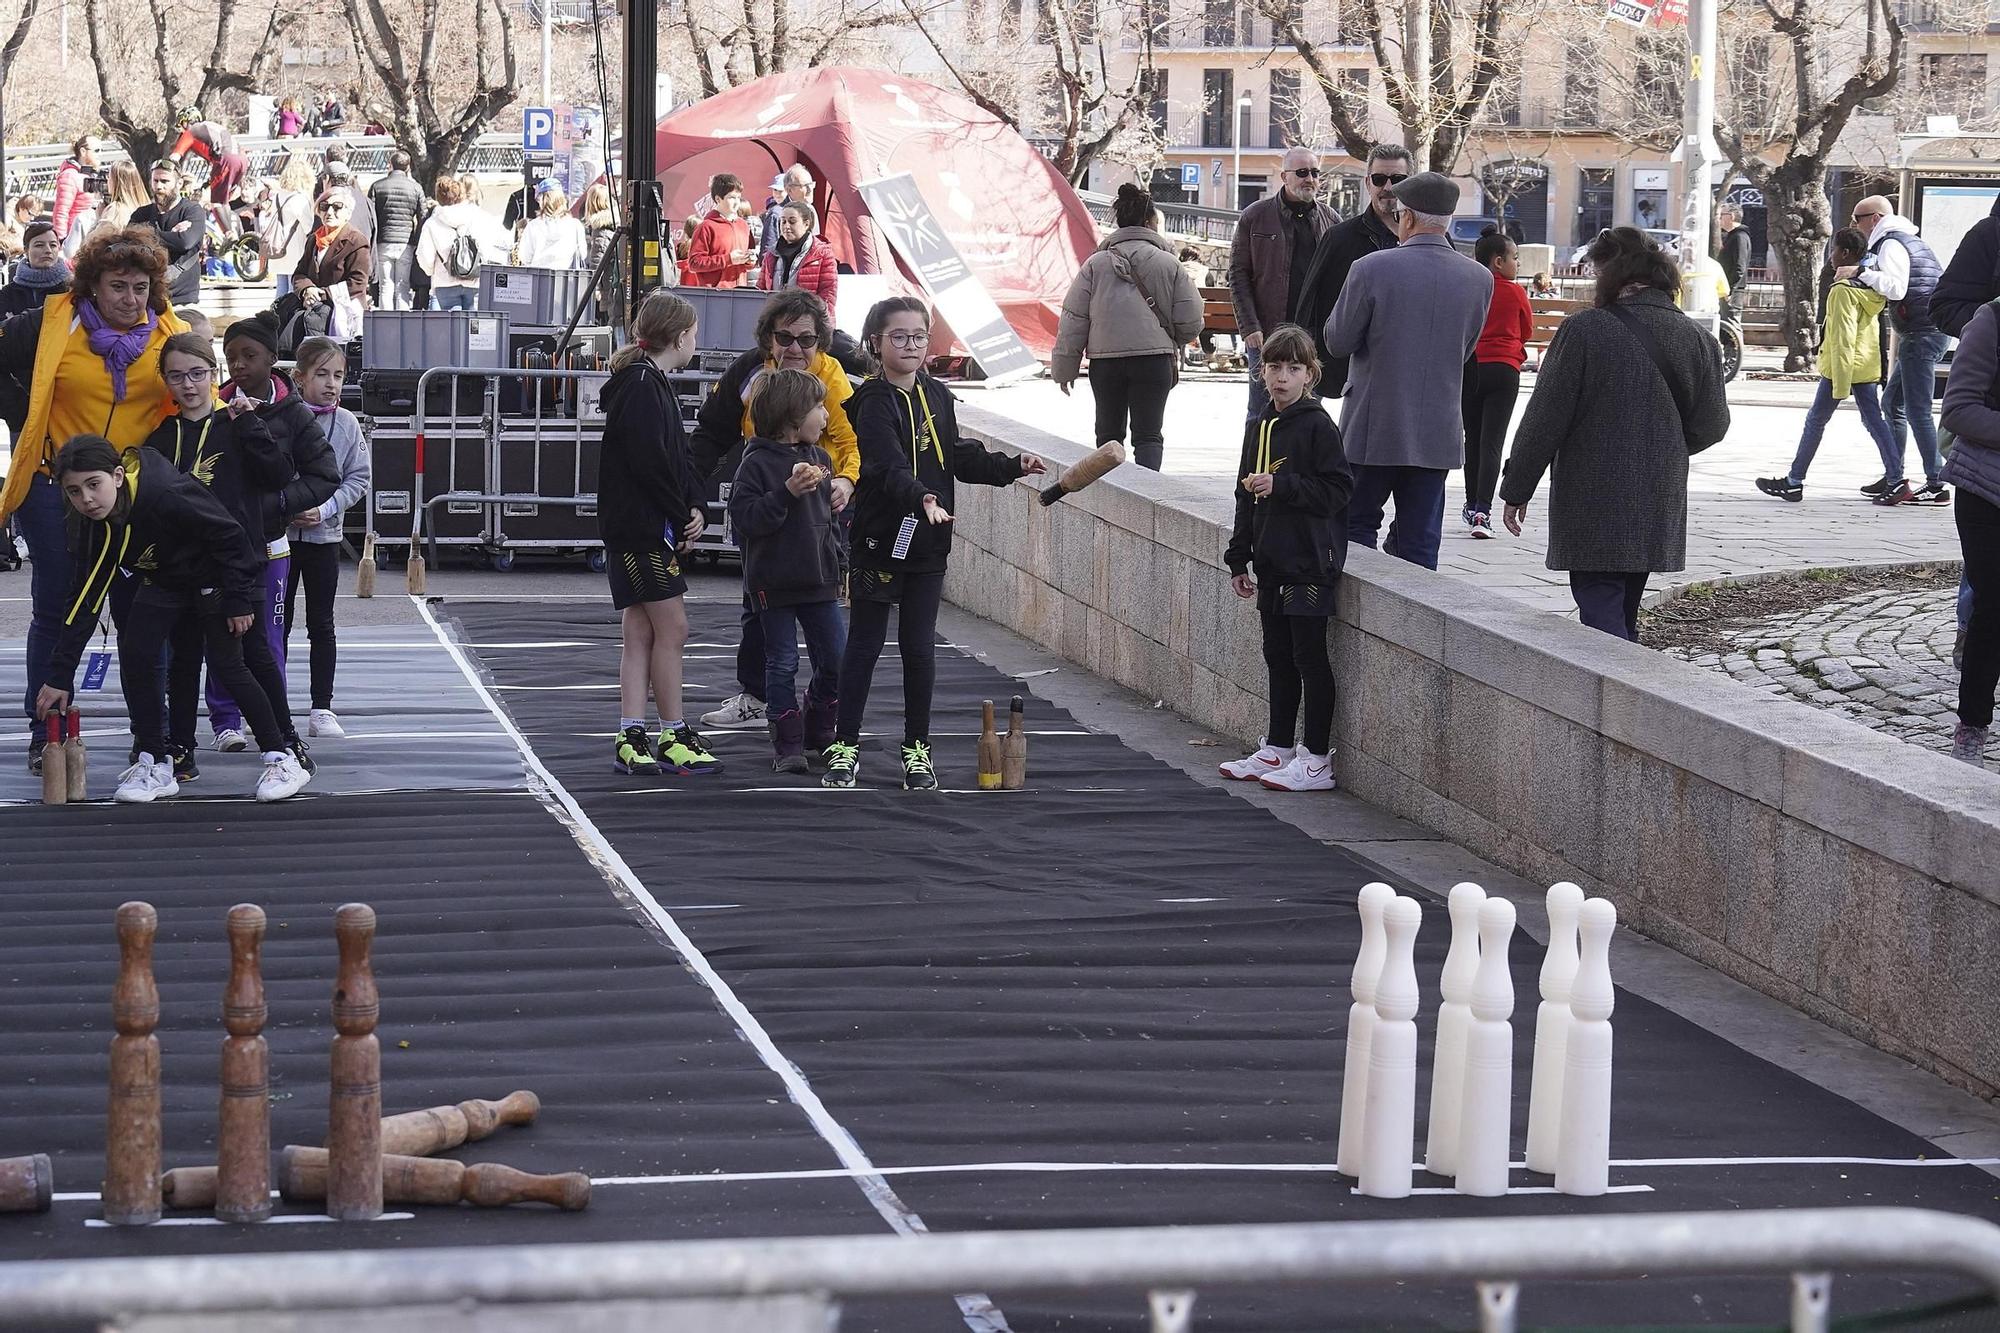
{"x":643,"y":211}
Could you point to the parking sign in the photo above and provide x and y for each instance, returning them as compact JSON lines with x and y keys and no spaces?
{"x":1190,"y":175}
{"x":538,"y":130}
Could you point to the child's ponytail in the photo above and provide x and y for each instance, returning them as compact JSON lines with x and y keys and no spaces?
{"x":659,"y":323}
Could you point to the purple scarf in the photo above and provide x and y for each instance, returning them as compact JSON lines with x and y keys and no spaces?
{"x":119,"y":349}
{"x":319,"y":411}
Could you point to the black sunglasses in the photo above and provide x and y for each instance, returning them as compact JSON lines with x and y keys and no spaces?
{"x":1306,"y":173}
{"x":805,"y":340}
{"x":1382,"y":179}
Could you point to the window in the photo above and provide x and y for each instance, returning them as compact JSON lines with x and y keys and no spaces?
{"x":1356,"y":87}
{"x":1010,"y":20}
{"x":1155,"y":83}
{"x":1218,"y":107}
{"x":1658,"y":87}
{"x":1503,"y":102}
{"x":1580,"y":96}
{"x":1953,"y":84}
{"x":1596,"y":196}
{"x":1153,"y":16}
{"x":1218,"y":23}
{"x":1285,"y":117}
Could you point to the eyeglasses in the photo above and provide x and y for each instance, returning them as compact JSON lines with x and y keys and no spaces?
{"x":1382,"y":179}
{"x":195,"y":376}
{"x":1306,"y":173}
{"x":805,"y":340}
{"x":909,"y":338}
{"x":1863,"y":217}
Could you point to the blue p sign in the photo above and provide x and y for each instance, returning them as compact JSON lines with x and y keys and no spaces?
{"x":538,"y":130}
{"x":1190,"y":175}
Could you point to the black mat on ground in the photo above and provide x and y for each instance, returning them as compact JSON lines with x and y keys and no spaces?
{"x":1120,"y":965}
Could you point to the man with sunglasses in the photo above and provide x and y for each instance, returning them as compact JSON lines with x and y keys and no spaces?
{"x":1389,"y":165}
{"x":1273,"y":248}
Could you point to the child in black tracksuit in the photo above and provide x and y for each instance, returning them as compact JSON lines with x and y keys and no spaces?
{"x":781,"y":506}
{"x":1289,"y":528}
{"x":911,"y":455}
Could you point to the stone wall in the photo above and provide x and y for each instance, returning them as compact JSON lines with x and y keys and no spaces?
{"x":1851,"y":875}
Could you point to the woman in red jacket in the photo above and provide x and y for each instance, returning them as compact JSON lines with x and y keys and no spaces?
{"x":802,"y":258}
{"x":1493,"y":377}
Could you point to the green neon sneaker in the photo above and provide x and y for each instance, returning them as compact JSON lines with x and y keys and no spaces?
{"x":842,"y":759}
{"x":633,"y":754}
{"x":685,"y":754}
{"x":918,"y":775}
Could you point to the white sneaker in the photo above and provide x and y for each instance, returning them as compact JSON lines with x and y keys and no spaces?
{"x":282,"y":776}
{"x":1306,"y":772}
{"x":1482,"y":527}
{"x":1268,"y":759}
{"x":231,"y":741}
{"x":322,"y":722}
{"x":147,"y":780}
{"x":744,"y":710}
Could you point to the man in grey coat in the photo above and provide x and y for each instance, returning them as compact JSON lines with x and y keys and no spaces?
{"x":1408,"y":319}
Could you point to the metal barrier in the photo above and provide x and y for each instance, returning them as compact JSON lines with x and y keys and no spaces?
{"x":782,"y":1285}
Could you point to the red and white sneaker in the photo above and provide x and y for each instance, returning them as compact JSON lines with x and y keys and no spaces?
{"x":1268,"y":759}
{"x":1306,"y":772}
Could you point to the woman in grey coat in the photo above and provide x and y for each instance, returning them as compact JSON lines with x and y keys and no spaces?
{"x":1618,"y":427}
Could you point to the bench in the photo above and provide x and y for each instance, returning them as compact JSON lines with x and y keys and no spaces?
{"x":1549,"y":312}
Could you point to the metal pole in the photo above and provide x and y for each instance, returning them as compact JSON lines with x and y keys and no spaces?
{"x":1698,"y":151}
{"x":1235,"y":201}
{"x":646,"y":212}
{"x":548,"y":45}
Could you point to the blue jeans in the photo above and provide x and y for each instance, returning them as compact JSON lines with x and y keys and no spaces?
{"x":826,"y":640}
{"x":1260,"y":397}
{"x":1867,"y":397}
{"x":454,"y":298}
{"x":1419,"y":496}
{"x":40,"y":523}
{"x":1908,"y":402}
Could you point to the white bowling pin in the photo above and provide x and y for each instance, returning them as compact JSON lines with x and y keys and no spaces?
{"x":1583,"y":1158}
{"x":1461,"y":962}
{"x":1486,"y":1114}
{"x":1374,"y":899}
{"x":1389,"y":1116}
{"x":1551,"y":1023}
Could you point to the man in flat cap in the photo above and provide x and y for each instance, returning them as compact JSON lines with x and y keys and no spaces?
{"x":1408,"y":319}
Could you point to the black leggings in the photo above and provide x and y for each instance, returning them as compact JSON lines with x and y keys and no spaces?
{"x":916,"y":636}
{"x":1134,"y":387}
{"x":317,"y":565}
{"x":1979,"y":538}
{"x":1295,"y":653}
{"x":1487,"y":404}
{"x":158,"y":620}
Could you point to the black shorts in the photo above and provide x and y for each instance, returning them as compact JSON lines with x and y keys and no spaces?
{"x":1296,"y":599}
{"x":643,"y":576}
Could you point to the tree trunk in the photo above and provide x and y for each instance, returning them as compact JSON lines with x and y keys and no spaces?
{"x":1800,"y":225}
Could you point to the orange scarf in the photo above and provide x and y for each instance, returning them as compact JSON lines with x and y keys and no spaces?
{"x":323,"y":237}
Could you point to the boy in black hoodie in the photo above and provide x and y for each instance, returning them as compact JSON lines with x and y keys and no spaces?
{"x":782,"y":509}
{"x":196,"y":573}
{"x":911,"y":454}
{"x":1289,"y":527}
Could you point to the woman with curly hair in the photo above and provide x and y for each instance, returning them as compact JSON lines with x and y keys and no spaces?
{"x":90,"y":358}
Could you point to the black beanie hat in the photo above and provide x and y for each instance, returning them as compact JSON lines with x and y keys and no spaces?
{"x":261,"y":327}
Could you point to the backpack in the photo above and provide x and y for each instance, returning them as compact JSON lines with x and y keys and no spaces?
{"x":461,"y":257}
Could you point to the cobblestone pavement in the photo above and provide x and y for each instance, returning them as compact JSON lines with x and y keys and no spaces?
{"x":1881,"y":658}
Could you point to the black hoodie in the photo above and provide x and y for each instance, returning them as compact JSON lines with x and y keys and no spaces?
{"x":1295,"y":534}
{"x":645,"y":479}
{"x":791,"y":548}
{"x":315,"y":470}
{"x":1973,"y":278}
{"x":235,"y":457}
{"x":176,"y":535}
{"x":911,"y":448}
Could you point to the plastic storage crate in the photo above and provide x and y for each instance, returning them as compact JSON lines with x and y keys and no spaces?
{"x":536,"y":297}
{"x":726,"y":317}
{"x":420,"y":339}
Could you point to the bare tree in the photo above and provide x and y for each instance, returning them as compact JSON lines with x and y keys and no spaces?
{"x":738,"y":41}
{"x":1068,"y":71}
{"x":143,"y":54}
{"x":418,"y":53}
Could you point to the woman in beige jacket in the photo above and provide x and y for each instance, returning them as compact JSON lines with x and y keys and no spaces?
{"x":1130,"y":310}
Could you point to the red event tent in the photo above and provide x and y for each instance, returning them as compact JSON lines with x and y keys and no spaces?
{"x":1015,"y":220}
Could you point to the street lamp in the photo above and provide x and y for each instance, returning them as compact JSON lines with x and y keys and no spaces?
{"x":1236,"y":134}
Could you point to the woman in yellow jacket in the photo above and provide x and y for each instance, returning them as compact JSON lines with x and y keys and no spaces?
{"x":1850,"y":362}
{"x":90,"y":359}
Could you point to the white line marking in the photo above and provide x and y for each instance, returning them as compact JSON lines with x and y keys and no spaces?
{"x":1517,"y":1189}
{"x":96,"y":1222}
{"x":980,"y":1313}
{"x":1191,"y":900}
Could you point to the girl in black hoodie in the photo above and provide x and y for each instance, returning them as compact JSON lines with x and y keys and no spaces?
{"x":1289,"y":529}
{"x":911,"y":455}
{"x":648,"y":511}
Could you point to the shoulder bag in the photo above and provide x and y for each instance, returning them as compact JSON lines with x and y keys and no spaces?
{"x":1637,"y":328}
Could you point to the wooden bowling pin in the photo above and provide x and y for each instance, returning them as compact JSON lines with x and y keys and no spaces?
{"x":302,"y":1178}
{"x":1583,"y":1156}
{"x":1461,"y":962}
{"x":1374,"y":899}
{"x":132,"y":1121}
{"x":27,"y":1184}
{"x":1014,"y":748}
{"x":1486,"y":1105}
{"x":55,"y":762}
{"x":76,"y":764}
{"x":354,"y":1108}
{"x":990,"y":762}
{"x":1389,"y":1114}
{"x":243,"y":1143}
{"x":364,"y":572}
{"x":1565,"y":900}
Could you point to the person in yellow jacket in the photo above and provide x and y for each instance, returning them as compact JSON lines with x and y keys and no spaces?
{"x":90,"y":358}
{"x":1850,"y":364}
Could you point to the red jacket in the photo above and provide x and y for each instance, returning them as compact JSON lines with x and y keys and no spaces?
{"x":708,"y":254}
{"x":817,"y":271}
{"x":71,"y":203}
{"x":1510,"y":325}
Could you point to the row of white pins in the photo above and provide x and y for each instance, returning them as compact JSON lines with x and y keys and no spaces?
{"x":1472,"y":1074}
